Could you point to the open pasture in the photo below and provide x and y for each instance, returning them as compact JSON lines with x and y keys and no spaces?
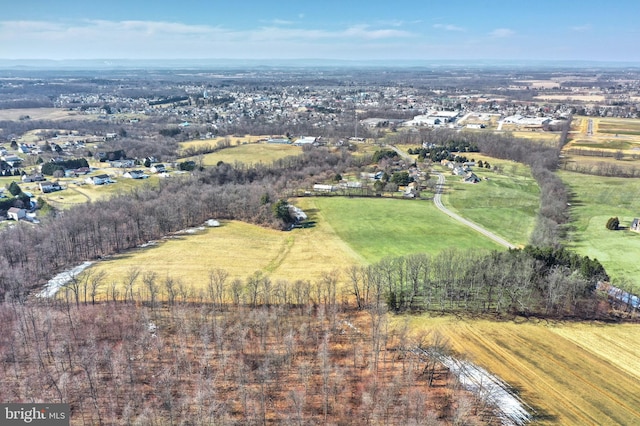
{"x":253,"y":153}
{"x":540,"y":84}
{"x":232,"y":140}
{"x":376,"y":228}
{"x":37,"y":114}
{"x":341,"y":232}
{"x":547,"y":137}
{"x":619,"y":126}
{"x":568,"y":373}
{"x":240,"y":249}
{"x":505,"y":201}
{"x":594,"y":200}
{"x":582,"y":97}
{"x":613,"y":144}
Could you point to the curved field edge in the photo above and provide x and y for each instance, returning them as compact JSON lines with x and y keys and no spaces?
{"x":342,"y":232}
{"x":568,"y":373}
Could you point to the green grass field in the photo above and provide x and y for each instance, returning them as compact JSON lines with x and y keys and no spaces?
{"x":595,"y":200}
{"x":376,"y":228}
{"x":569,"y":373}
{"x":504,"y":202}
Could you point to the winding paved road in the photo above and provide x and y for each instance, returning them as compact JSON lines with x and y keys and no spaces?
{"x":437,"y":199}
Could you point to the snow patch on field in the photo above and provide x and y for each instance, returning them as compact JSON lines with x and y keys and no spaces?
{"x":190,"y":230}
{"x":489,"y":388}
{"x":511,"y":409}
{"x":53,"y":285}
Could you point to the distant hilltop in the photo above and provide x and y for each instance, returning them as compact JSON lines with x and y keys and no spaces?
{"x":107,"y":64}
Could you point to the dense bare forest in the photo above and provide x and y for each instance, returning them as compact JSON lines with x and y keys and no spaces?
{"x":206,"y":364}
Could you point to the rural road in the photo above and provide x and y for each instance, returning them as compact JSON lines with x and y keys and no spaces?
{"x":437,"y":199}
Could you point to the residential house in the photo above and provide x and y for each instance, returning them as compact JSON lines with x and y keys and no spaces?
{"x":323,"y":188}
{"x":47,"y":187}
{"x":16,"y":213}
{"x":411,"y":190}
{"x":99,"y":180}
{"x":158,"y":168}
{"x":121,"y":164}
{"x":135,"y":174}
{"x":36,"y":177}
{"x":471,"y":178}
{"x":305,"y":140}
{"x":282,"y":141}
{"x":460,"y":170}
{"x":12,"y":160}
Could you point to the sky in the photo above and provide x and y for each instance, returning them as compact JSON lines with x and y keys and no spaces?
{"x":567,"y":30}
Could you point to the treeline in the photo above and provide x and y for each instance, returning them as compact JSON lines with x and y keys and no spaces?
{"x":29,"y":255}
{"x":50,"y":167}
{"x":437,"y":153}
{"x":201,"y":149}
{"x":602,"y":168}
{"x":532,"y":281}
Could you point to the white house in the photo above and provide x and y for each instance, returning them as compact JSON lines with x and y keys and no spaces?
{"x":99,"y":180}
{"x":305,"y":140}
{"x":158,"y":168}
{"x":323,"y":188}
{"x":135,"y":174}
{"x":47,"y":187}
{"x":16,"y":213}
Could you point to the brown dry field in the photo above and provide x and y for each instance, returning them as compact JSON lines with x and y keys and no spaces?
{"x":540,"y":84}
{"x":38,"y":114}
{"x":569,"y":373}
{"x":571,"y":97}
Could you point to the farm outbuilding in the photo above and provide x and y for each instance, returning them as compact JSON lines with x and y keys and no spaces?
{"x":16,"y":214}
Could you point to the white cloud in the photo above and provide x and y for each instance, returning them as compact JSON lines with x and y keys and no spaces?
{"x":154,"y":39}
{"x":448,"y":27}
{"x":364,"y":32}
{"x":581,"y":28}
{"x":279,"y":22}
{"x":502,"y":33}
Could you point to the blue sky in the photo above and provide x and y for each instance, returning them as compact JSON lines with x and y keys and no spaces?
{"x":357,"y":30}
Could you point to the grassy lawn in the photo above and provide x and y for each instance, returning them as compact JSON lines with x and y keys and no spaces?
{"x":570,"y":374}
{"x":251,"y":154}
{"x":504,"y":202}
{"x":376,"y":228}
{"x":596,"y":199}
